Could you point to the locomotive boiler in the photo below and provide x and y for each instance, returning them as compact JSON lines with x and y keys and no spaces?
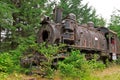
{"x":85,"y":37}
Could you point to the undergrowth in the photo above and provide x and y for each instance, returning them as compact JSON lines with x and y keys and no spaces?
{"x":73,"y":67}
{"x":118,"y":61}
{"x":77,"y":67}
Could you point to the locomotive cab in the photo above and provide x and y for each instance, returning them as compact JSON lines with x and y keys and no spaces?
{"x":112,"y":45}
{"x":112,"y":42}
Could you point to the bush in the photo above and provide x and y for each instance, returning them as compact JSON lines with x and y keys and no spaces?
{"x":6,"y":62}
{"x":10,"y":61}
{"x":49,"y":51}
{"x":75,"y":66}
{"x":99,"y":65}
{"x":45,"y":57}
{"x":68,"y":70}
{"x":118,"y":61}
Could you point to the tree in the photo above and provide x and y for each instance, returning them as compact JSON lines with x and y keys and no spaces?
{"x":83,"y":13}
{"x":21,"y":19}
{"x":115,"y":22}
{"x":6,"y":21}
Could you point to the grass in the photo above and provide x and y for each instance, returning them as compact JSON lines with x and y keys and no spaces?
{"x":17,"y":76}
{"x":111,"y":73}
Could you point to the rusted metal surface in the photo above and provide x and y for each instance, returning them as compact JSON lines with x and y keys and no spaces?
{"x":71,"y":33}
{"x":49,"y":33}
{"x":118,"y":47}
{"x":83,"y":37}
{"x":57,"y":14}
{"x":90,"y":38}
{"x":113,"y":43}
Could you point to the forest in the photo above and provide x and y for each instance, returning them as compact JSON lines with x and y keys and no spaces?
{"x":19,"y":24}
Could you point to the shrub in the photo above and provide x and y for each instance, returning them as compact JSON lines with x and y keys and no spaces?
{"x":49,"y":51}
{"x":75,"y":66}
{"x":10,"y":61}
{"x":6,"y":62}
{"x":96,"y":64}
{"x":118,"y":61}
{"x":3,"y":75}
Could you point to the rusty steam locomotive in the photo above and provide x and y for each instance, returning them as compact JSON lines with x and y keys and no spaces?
{"x":84,"y":37}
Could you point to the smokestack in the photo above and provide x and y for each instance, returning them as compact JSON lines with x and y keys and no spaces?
{"x":57,"y":15}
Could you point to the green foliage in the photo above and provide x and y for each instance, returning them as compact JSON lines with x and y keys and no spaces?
{"x":49,"y":72}
{"x":49,"y":51}
{"x":6,"y":21}
{"x":6,"y":62}
{"x":118,"y":61}
{"x":20,"y":19}
{"x":83,"y":12}
{"x":29,"y":48}
{"x":68,"y":71}
{"x":115,"y":22}
{"x":3,"y":75}
{"x":75,"y":66}
{"x":99,"y":65}
{"x":99,"y":21}
{"x":10,"y":61}
{"x":6,"y":11}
